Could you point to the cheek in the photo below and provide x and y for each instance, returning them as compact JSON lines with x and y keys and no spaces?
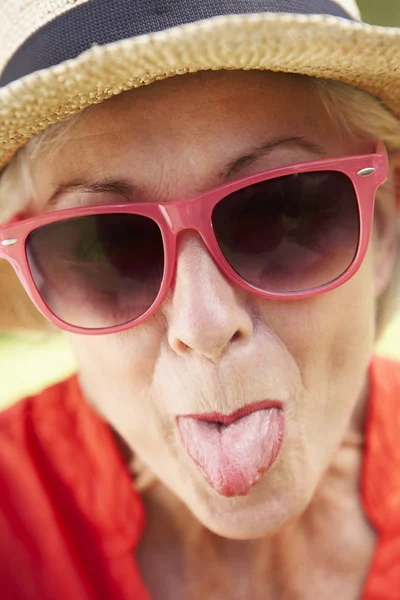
{"x":331,"y":338}
{"x":116,"y":371}
{"x":330,"y":326}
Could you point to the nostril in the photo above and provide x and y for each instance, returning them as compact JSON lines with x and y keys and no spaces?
{"x":236,"y":336}
{"x":181,"y":347}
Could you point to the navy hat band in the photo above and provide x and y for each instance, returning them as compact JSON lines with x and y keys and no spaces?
{"x":101,"y":22}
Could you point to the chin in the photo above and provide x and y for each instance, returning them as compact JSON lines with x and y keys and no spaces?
{"x":259,"y":514}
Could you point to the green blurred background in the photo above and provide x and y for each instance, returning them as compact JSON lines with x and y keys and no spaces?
{"x":381,"y":12}
{"x":29,"y":362}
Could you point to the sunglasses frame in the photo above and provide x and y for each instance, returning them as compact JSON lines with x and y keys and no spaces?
{"x":366,"y":172}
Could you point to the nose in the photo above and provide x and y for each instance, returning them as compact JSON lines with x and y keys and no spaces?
{"x":205,"y":314}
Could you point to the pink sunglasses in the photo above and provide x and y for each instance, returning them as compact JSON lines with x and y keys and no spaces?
{"x":286,"y":233}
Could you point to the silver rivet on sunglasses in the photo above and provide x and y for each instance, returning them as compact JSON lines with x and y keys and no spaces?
{"x":10,"y":242}
{"x":365,"y":172}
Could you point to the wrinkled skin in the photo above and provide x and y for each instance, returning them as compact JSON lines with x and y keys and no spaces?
{"x":213,"y":346}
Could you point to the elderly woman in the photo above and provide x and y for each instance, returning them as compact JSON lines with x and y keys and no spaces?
{"x":220,"y":248}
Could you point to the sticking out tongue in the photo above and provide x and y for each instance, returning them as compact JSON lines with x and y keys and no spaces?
{"x":232,"y":457}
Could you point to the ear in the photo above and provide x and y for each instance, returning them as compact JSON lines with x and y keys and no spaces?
{"x":386,"y":228}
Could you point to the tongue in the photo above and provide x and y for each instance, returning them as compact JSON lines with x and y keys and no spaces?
{"x":232,"y":457}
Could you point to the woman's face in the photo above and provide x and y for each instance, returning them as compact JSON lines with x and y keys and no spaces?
{"x":213,"y":347}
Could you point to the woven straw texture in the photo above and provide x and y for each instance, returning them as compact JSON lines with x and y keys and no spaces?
{"x":351,"y":7}
{"x":21,"y":18}
{"x":364,"y":56}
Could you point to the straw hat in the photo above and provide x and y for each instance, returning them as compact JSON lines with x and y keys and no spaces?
{"x":58,"y":57}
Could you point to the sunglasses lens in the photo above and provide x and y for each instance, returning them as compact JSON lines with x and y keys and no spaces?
{"x":292,"y":233}
{"x":97,"y":271}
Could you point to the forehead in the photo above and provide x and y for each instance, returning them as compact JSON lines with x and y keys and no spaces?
{"x":202,"y":109}
{"x":232,"y":95}
{"x":192,"y":125}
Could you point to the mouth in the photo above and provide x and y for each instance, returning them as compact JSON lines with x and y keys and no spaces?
{"x":233,"y":451}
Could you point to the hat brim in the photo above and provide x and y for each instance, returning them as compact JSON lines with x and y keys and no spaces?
{"x":364,"y":56}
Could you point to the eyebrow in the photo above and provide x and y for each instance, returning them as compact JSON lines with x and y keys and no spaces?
{"x":127,"y":190}
{"x":120,"y":187}
{"x":294,"y":140}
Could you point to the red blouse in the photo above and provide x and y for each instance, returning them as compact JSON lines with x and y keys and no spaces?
{"x":70,"y":518}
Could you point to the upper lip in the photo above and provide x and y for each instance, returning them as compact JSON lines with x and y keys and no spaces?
{"x":215,"y":417}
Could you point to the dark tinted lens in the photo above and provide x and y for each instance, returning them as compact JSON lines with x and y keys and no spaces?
{"x":97,"y":271}
{"x":292,"y":233}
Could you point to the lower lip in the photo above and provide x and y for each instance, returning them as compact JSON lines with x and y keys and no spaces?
{"x":233,"y":451}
